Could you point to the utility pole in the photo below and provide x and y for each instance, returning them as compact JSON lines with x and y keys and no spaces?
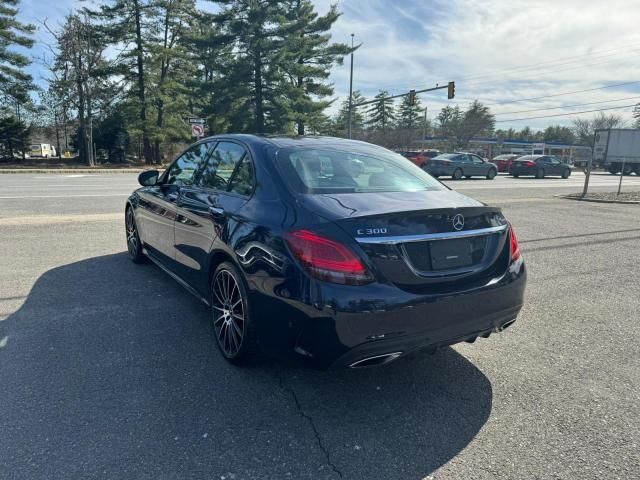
{"x":351,"y":89}
{"x":91,"y":152}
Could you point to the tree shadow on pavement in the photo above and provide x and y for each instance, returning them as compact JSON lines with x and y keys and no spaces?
{"x":110,"y":370}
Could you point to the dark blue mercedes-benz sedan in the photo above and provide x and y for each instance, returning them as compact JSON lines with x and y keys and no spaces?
{"x":337,"y":251}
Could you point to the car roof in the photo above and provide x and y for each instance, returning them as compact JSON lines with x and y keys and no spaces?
{"x":283,"y":141}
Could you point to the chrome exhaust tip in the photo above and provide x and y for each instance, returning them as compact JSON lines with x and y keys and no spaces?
{"x":504,"y":326}
{"x":375,"y":360}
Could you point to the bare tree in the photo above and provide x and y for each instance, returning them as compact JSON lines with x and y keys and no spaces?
{"x":584,"y":128}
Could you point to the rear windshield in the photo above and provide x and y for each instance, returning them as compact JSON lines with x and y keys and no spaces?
{"x":336,"y":171}
{"x":447,"y":156}
{"x":529,"y":158}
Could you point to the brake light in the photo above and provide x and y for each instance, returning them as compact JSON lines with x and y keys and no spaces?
{"x":514,"y":247}
{"x":327,"y":259}
{"x":530,"y":164}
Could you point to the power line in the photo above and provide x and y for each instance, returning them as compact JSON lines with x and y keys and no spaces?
{"x":568,"y":106}
{"x":565,"y":114}
{"x":554,"y":63}
{"x":564,"y":93}
{"x":557,"y":62}
{"x":557,"y":70}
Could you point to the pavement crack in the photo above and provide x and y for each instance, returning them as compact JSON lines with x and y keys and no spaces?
{"x":312,"y":423}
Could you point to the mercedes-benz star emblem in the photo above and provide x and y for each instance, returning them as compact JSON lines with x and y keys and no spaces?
{"x":458,"y":221}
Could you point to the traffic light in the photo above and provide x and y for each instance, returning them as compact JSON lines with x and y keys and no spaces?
{"x":451,"y":90}
{"x":412,"y":97}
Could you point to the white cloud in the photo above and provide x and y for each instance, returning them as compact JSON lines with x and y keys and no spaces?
{"x":484,"y":45}
{"x":491,"y":48}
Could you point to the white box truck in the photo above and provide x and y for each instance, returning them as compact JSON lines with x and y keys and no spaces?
{"x":44,"y":150}
{"x":617,"y":150}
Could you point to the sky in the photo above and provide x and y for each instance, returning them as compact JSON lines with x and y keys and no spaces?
{"x":500,"y":52}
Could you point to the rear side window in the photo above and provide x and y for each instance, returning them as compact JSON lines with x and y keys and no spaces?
{"x":335,"y":171}
{"x":242,"y":179}
{"x":229,"y":169}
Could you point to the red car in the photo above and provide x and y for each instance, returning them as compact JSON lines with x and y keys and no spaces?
{"x":504,"y":162}
{"x":419,"y":157}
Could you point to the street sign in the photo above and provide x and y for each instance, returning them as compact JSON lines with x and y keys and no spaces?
{"x":196,"y":121}
{"x":197,"y":130}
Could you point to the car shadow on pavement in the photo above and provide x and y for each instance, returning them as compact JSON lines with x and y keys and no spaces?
{"x":110,"y":370}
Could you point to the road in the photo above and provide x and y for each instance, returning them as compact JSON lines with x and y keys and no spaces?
{"x":109,"y":369}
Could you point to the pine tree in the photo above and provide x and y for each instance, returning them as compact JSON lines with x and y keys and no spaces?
{"x":410,"y":116}
{"x":210,"y":51}
{"x":357,"y":118}
{"x":169,"y":70}
{"x":382,"y":113}
{"x":308,"y":58}
{"x":132,"y":23}
{"x":14,"y":81}
{"x":254,"y":86}
{"x":14,"y":136}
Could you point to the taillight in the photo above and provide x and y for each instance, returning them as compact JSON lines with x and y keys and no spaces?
{"x":530,"y":164}
{"x":327,"y":259}
{"x":514,"y":247}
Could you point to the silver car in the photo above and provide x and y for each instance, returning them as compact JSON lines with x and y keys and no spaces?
{"x":461,"y":164}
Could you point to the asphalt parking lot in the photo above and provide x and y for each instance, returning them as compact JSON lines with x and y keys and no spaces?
{"x":110,"y":370}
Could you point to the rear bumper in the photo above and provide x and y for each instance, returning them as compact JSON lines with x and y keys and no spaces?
{"x":439,"y":170}
{"x":522,"y":171}
{"x":383,"y":319}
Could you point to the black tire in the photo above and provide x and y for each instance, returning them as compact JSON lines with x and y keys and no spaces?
{"x":467,"y":176}
{"x":134,"y":245}
{"x":566,"y":173}
{"x":231,"y":315}
{"x":491,"y":174}
{"x":515,"y":175}
{"x":457,"y":174}
{"x":540,"y":173}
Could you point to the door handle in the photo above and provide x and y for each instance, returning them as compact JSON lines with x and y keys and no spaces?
{"x":216,"y":212}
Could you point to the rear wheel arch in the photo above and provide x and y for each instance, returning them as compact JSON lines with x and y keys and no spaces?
{"x":216,"y":258}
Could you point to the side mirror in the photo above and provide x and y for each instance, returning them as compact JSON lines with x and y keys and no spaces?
{"x":148,"y":178}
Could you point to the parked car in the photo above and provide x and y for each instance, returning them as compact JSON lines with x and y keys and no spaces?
{"x":504,"y":162}
{"x":539,"y":166}
{"x":419,"y":157}
{"x":294,"y":249}
{"x":460,"y":164}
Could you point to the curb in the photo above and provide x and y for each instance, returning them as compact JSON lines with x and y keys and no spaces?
{"x":598,"y":200}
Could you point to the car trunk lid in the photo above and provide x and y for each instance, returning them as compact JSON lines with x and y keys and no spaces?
{"x":414,"y":241}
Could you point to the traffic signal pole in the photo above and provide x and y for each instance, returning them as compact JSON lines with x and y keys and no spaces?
{"x":424,"y":128}
{"x":450,"y":86}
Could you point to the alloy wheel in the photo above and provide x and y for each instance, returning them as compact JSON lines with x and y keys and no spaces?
{"x":132,"y":234}
{"x":228,"y":313}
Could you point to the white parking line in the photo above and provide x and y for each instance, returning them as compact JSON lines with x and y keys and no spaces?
{"x":53,"y":219}
{"x":66,"y":196}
